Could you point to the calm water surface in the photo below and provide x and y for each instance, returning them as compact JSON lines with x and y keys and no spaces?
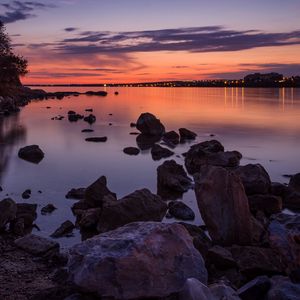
{"x":263,"y":124}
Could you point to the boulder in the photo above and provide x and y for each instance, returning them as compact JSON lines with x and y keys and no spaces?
{"x":143,"y":259}
{"x":8,"y":211}
{"x":158,"y":152}
{"x":221,"y":257}
{"x":284,"y":236}
{"x":90,"y":218}
{"x":186,"y":134}
{"x":146,"y":142}
{"x":193,"y":289}
{"x":31,"y":153}
{"x":283,"y":289}
{"x":87,"y":130}
{"x":295,"y":182}
{"x":255,"y":179}
{"x":171,"y":137}
{"x":64,"y":229}
{"x":131,"y":150}
{"x":172,"y":180}
{"x":221,"y":291}
{"x":255,"y":289}
{"x":148,"y":124}
{"x":181,"y":211}
{"x":223,"y":205}
{"x":269,"y":204}
{"x":140,"y":205}
{"x":279,"y":189}
{"x":90,"y":119}
{"x":96,"y":192}
{"x":292,"y":200}
{"x":77,"y":193}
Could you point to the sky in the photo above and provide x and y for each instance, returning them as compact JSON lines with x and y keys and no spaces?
{"x":110,"y":41}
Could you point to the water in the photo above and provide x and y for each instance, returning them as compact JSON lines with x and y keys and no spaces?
{"x":263,"y":124}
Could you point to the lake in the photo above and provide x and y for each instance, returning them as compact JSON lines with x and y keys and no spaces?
{"x":262,"y":124}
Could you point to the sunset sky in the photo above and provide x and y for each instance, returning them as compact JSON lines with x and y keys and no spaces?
{"x":99,"y":41}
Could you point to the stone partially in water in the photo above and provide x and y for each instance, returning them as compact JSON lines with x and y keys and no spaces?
{"x":148,"y":124}
{"x":131,"y":150}
{"x":101,"y":139}
{"x":8,"y":211}
{"x":31,"y":153}
{"x":64,"y":229}
{"x":158,"y":152}
{"x":186,"y":134}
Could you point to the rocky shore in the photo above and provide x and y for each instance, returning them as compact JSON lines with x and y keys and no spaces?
{"x":249,"y":247}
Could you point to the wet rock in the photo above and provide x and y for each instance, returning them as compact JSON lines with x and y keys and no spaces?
{"x":295,"y":275}
{"x":132,"y":124}
{"x":221,"y":257}
{"x":171,"y":137}
{"x":256,"y":261}
{"x":101,"y":139}
{"x":255,"y":289}
{"x":295,"y":182}
{"x":186,"y":134}
{"x":37,"y":245}
{"x":26,"y":194}
{"x":133,"y":133}
{"x":31,"y":153}
{"x":146,"y":142}
{"x":90,"y":119}
{"x":284,"y":236}
{"x":64,"y":229}
{"x":87,"y":130}
{"x":255,"y":179}
{"x":74,"y":117}
{"x":181,"y":211}
{"x":210,"y":153}
{"x":8,"y":211}
{"x":98,"y":93}
{"x":279,"y":189}
{"x":193,"y":289}
{"x":48,"y":209}
{"x":283,"y":289}
{"x":222,"y":291}
{"x":291,"y":200}
{"x":76,"y":193}
{"x":95,"y":193}
{"x":140,"y":205}
{"x":149,"y":259}
{"x":1,"y":189}
{"x":90,"y":218}
{"x":148,"y":124}
{"x":158,"y":152}
{"x":131,"y":150}
{"x":172,"y":180}
{"x":223,"y":205}
{"x":78,"y":207}
{"x":26,"y":212}
{"x":269,"y":204}
{"x":89,"y":109}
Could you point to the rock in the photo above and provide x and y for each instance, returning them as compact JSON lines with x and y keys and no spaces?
{"x":146,"y":142}
{"x":291,"y":200}
{"x":143,"y":259}
{"x":63,"y":230}
{"x":284,"y":236}
{"x":48,"y":209}
{"x":116,"y":93}
{"x":134,"y":133}
{"x":193,"y":289}
{"x":87,"y":130}
{"x":31,"y":153}
{"x":95,"y":193}
{"x":283,"y":289}
{"x":140,"y":205}
{"x":90,"y":119}
{"x":148,"y":124}
{"x":158,"y":152}
{"x":269,"y":204}
{"x":75,"y":117}
{"x":26,"y":194}
{"x":259,"y":232}
{"x":221,"y":257}
{"x":171,"y":137}
{"x":295,"y":275}
{"x":223,"y":205}
{"x":279,"y":189}
{"x":26,"y":212}
{"x":89,"y":109}
{"x":131,"y":150}
{"x":255,"y":179}
{"x":221,"y":291}
{"x":77,"y":193}
{"x":132,"y":124}
{"x":97,"y":139}
{"x":98,"y":93}
{"x":210,"y":153}
{"x":37,"y":245}
{"x":172,"y":180}
{"x":90,"y":218}
{"x":8,"y":211}
{"x":1,"y":189}
{"x":255,"y":289}
{"x":186,"y":134}
{"x":295,"y":182}
{"x":256,"y":261}
{"x":181,"y":211}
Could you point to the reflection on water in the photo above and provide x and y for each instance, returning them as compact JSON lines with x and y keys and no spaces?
{"x":263,"y":124}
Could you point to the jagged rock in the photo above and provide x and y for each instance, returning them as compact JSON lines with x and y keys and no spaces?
{"x":181,"y":211}
{"x":269,"y":204}
{"x":158,"y":152}
{"x":131,"y":150}
{"x":100,"y":139}
{"x":148,"y":124}
{"x":8,"y":211}
{"x":283,"y":289}
{"x":90,"y":218}
{"x":140,"y":205}
{"x":31,"y":153}
{"x":64,"y":229}
{"x":186,"y":134}
{"x":223,"y":205}
{"x":172,"y":180}
{"x":48,"y":209}
{"x":148,"y":260}
{"x":221,"y":257}
{"x":255,"y":289}
{"x":171,"y":137}
{"x":77,"y":193}
{"x":255,"y":179}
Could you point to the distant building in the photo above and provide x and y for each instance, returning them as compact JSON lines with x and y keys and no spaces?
{"x":258,"y":78}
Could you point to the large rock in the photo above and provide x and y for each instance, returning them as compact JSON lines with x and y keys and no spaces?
{"x":181,"y":211}
{"x":146,"y":142}
{"x":221,"y":291}
{"x":65,"y":229}
{"x":283,"y":289}
{"x":193,"y":289}
{"x":295,"y":183}
{"x":95,"y":193}
{"x":148,"y":124}
{"x":31,"y":153}
{"x":172,"y":180}
{"x":223,"y":205}
{"x":8,"y":211}
{"x":137,"y":261}
{"x":186,"y":134}
{"x":210,"y":153}
{"x":284,"y":236}
{"x":255,"y":179}
{"x":76,"y":193}
{"x":141,"y":205}
{"x":221,"y":257}
{"x":255,"y":289}
{"x":158,"y":152}
{"x":269,"y":204}
{"x":171,"y":138}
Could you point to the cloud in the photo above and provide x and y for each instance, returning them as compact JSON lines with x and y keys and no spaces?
{"x":21,"y":10}
{"x":70,"y":29}
{"x":195,"y":39}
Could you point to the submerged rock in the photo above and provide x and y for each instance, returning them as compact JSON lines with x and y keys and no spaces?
{"x":48,"y":209}
{"x":90,"y":119}
{"x":76,"y":193}
{"x":131,"y":150}
{"x":31,"y":153}
{"x":101,"y":139}
{"x":26,"y":194}
{"x":158,"y":152}
{"x":148,"y":124}
{"x":87,"y":130}
{"x":98,"y":93}
{"x":171,"y":137}
{"x":64,"y":229}
{"x":148,"y":260}
{"x":186,"y":134}
{"x":146,"y":142}
{"x":180,"y":210}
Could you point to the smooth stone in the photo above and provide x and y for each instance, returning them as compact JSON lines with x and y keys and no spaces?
{"x":171,"y":137}
{"x":158,"y":152}
{"x":97,"y":139}
{"x":148,"y":124}
{"x":295,"y":182}
{"x":31,"y":153}
{"x":186,"y":134}
{"x":131,"y":150}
